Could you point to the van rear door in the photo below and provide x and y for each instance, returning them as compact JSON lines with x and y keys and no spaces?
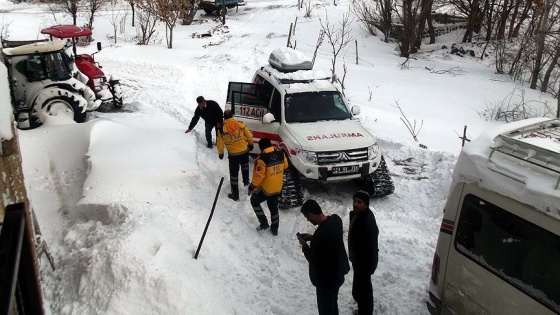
{"x":249,"y":103}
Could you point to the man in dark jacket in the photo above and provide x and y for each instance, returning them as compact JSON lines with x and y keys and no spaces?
{"x":328,"y":262}
{"x":212,"y":114}
{"x":363,"y":250}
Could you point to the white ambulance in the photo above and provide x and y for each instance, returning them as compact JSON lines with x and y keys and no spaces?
{"x":498,"y":250}
{"x":306,"y":116}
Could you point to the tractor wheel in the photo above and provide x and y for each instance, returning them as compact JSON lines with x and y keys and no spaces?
{"x":221,"y":11}
{"x":115,"y":88}
{"x":57,"y":102}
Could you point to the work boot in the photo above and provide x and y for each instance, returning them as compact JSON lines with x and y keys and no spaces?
{"x":209,"y":146}
{"x":274,"y":232}
{"x":232,"y":197}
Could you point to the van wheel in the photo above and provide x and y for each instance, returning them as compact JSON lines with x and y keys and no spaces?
{"x":379,"y":183}
{"x":292,"y":190}
{"x":59,"y":103}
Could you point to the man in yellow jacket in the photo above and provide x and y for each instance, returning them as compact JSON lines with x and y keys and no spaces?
{"x":268,"y":174}
{"x":238,"y":141}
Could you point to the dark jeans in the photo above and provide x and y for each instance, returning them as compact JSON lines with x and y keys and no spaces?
{"x":362,"y":291}
{"x":327,"y":300}
{"x":236,"y":162}
{"x":208,"y":132}
{"x":272,"y":202}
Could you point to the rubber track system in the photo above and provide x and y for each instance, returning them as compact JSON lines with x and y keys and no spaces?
{"x":292,"y":190}
{"x":379,"y":183}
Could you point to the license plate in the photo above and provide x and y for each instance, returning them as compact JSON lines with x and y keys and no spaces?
{"x":337,"y":170}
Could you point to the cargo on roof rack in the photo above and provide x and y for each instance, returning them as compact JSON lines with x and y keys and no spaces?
{"x":289,"y":60}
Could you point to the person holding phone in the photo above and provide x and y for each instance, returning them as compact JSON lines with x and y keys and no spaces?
{"x":328,"y":261}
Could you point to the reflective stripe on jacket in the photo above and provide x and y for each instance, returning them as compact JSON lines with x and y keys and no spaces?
{"x":235,"y":135}
{"x":268,"y":171}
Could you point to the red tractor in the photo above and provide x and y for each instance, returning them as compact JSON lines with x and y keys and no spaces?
{"x":107,"y":90}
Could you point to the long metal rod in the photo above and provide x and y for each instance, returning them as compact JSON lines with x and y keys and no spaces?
{"x":209,"y":218}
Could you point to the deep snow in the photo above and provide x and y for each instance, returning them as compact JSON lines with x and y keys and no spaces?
{"x":123,"y":199}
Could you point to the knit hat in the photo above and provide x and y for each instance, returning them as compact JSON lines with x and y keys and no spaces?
{"x":363,"y":196}
{"x":264,"y":143}
{"x":311,"y":206}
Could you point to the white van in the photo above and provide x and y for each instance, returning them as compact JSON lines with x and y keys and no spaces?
{"x":498,"y":250}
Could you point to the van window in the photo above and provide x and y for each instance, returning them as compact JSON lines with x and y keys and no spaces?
{"x":515,"y":250}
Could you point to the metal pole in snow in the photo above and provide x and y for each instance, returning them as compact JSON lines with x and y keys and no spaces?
{"x":209,"y":218}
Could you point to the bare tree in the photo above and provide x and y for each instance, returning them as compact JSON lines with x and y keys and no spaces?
{"x":319,"y":42}
{"x":118,"y":13}
{"x":146,"y":27}
{"x":413,"y":16}
{"x":131,"y":2}
{"x":375,"y":15}
{"x":308,"y":8}
{"x":552,"y":65}
{"x":93,"y":7}
{"x":167,"y":11}
{"x":189,"y":11}
{"x":414,"y":128}
{"x":338,"y":38}
{"x":545,"y":23}
{"x":70,"y":7}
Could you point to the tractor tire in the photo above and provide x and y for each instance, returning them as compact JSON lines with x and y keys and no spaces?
{"x":379,"y":183}
{"x":292,"y":190}
{"x":221,"y":11}
{"x":59,"y":102}
{"x":115,"y":88}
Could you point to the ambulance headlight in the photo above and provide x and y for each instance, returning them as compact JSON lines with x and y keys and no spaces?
{"x":373,"y":151}
{"x":307,"y":156}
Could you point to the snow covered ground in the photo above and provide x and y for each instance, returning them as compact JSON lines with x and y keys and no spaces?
{"x":123,"y":199}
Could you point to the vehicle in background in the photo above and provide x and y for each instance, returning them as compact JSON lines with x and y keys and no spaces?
{"x":108,"y":90}
{"x":306,"y":116}
{"x":42,"y":85}
{"x":498,"y":250}
{"x":48,"y":78}
{"x":219,"y":6}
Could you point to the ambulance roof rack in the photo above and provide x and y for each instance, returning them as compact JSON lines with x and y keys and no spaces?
{"x":536,"y":144}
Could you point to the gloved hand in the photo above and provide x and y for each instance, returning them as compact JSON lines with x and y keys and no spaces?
{"x":221,"y":156}
{"x":250,"y":145}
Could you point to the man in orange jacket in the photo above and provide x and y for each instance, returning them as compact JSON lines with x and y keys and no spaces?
{"x":268,"y":174}
{"x":238,"y":141}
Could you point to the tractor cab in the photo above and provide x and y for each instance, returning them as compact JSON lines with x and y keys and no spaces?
{"x":84,"y":62}
{"x":107,"y":90}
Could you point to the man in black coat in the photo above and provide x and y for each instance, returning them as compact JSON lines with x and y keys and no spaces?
{"x":363,"y":250}
{"x":212,"y":114}
{"x":328,"y":262}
